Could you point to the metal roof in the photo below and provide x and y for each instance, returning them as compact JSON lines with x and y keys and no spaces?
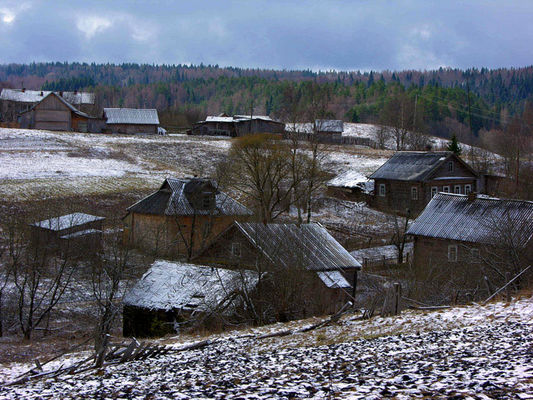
{"x":374,"y":254}
{"x":307,"y":245}
{"x":67,"y":221}
{"x":329,"y":125}
{"x":175,"y":285}
{"x":411,"y":165}
{"x":34,"y":96}
{"x":481,"y":220}
{"x":171,"y":199}
{"x":131,"y":116}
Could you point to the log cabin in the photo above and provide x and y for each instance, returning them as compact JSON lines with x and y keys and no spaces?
{"x":237,"y":125}
{"x":181,"y":217}
{"x":406,"y":183}
{"x":131,"y":121}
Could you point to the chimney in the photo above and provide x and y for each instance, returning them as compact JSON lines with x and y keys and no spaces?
{"x":471,"y":197}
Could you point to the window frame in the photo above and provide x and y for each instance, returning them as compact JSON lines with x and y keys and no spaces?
{"x":446,"y":189}
{"x":414,"y":193}
{"x":434,"y":191}
{"x":382,"y":193}
{"x":468,"y":188}
{"x":474,"y":254}
{"x":452,"y":250}
{"x":450,"y":166}
{"x":457,"y":189}
{"x":236,"y":249}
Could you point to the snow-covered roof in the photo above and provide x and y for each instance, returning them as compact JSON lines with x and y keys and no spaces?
{"x":34,"y":96}
{"x":174,"y":285}
{"x":308,"y":245}
{"x":333,"y":279}
{"x":236,"y":118}
{"x":140,"y":116}
{"x":329,"y":125}
{"x":215,"y":118}
{"x":374,"y":254}
{"x":479,"y":220}
{"x":85,"y":232}
{"x":67,"y":221}
{"x":172,"y":199}
{"x":352,"y":179}
{"x":411,"y":165}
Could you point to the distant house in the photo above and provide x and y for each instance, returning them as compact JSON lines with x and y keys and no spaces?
{"x":407,"y":181}
{"x":170,"y":293}
{"x":54,"y":113}
{"x":381,"y":256}
{"x":15,"y":101}
{"x":237,"y":125}
{"x":131,"y":121}
{"x":350,"y":185}
{"x":457,"y":238}
{"x":329,"y":128}
{"x":308,"y":247}
{"x":76,"y":232}
{"x":182,"y":216}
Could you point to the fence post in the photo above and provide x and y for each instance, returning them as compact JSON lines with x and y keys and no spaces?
{"x":508,"y":291}
{"x":397,"y":295}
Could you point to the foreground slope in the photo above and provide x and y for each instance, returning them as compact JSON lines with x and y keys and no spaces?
{"x":474,"y":352}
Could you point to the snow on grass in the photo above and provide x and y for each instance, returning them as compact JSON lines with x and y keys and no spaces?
{"x":465,"y":352}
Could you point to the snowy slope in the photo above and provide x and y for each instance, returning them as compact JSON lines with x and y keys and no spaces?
{"x":476,"y":352}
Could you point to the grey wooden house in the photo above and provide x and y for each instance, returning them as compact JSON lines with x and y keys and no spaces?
{"x":409,"y":179}
{"x":131,"y":121}
{"x":237,"y":125}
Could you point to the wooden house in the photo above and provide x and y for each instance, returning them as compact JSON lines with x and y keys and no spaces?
{"x":469,"y":239}
{"x":181,"y":217}
{"x":329,"y":128}
{"x":54,"y":113}
{"x":350,"y":185}
{"x":131,"y":121}
{"x":171,"y":293}
{"x":13,"y":102}
{"x":237,"y":125}
{"x":288,"y":247}
{"x":77,"y":233}
{"x":406,"y":182}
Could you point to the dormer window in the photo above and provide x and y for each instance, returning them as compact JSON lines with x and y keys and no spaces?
{"x":208,"y":200}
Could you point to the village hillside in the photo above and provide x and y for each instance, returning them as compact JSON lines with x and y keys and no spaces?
{"x":206,"y":232}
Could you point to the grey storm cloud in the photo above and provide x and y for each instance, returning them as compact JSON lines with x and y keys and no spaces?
{"x":343,"y":35}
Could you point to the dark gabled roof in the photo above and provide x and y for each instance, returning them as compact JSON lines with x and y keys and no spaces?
{"x":131,"y":116}
{"x":413,"y":165}
{"x":34,"y":96}
{"x":482,"y":220}
{"x":307,"y":245}
{"x":171,"y":199}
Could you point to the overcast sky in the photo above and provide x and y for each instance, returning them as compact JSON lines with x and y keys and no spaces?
{"x":291,"y":34}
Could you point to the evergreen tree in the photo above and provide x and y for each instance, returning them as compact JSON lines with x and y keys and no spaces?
{"x":453,"y":146}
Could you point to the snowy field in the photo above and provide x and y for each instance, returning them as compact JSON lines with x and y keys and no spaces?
{"x":42,"y":164}
{"x":472,"y":352}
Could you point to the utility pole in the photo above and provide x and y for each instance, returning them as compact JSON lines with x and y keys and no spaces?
{"x":414,"y":116}
{"x":470,"y":125}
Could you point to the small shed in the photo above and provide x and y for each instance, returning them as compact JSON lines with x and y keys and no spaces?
{"x":77,"y":232}
{"x":237,"y":125}
{"x":329,"y":127}
{"x":131,"y":121}
{"x":380,"y":256}
{"x":350,"y":185}
{"x":170,"y":293}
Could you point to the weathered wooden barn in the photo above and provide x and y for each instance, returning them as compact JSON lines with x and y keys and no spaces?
{"x":329,"y":128}
{"x":286,"y":247}
{"x":171,"y":293}
{"x":76,"y":233}
{"x":237,"y":125}
{"x":466,"y":239}
{"x":54,"y":113}
{"x":15,"y":101}
{"x":181,"y":217}
{"x":131,"y":121}
{"x":406,"y":182}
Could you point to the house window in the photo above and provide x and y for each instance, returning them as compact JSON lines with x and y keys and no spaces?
{"x":446,"y":189}
{"x":474,"y":254}
{"x":468,"y":189}
{"x":382,"y":190}
{"x":414,"y":193}
{"x":450,"y":166}
{"x":457,"y":189}
{"x":452,"y":253}
{"x":434,"y":191}
{"x":236,"y":249}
